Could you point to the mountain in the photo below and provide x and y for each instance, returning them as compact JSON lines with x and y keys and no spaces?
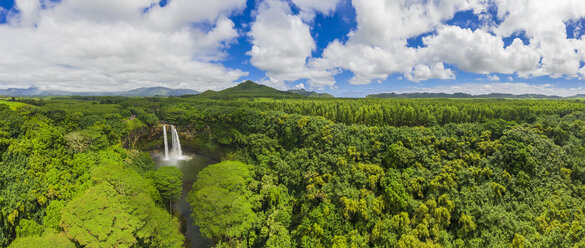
{"x":461,"y":95}
{"x":32,"y":91}
{"x":248,"y":89}
{"x":309,"y":93}
{"x":159,"y":91}
{"x":146,"y":91}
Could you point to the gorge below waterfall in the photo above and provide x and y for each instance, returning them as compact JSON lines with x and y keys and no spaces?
{"x":190,"y":164}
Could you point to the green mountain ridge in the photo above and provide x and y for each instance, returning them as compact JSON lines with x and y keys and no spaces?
{"x":248,"y":89}
{"x":309,"y":93}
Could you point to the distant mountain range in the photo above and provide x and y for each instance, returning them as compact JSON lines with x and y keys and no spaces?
{"x":249,"y":89}
{"x":465,"y":95}
{"x":32,"y":91}
{"x":245,"y":89}
{"x":309,"y":93}
{"x":146,"y":92}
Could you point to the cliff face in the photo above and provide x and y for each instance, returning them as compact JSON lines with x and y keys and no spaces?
{"x":153,"y":138}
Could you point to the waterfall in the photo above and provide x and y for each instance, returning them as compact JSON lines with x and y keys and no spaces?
{"x":175,"y":153}
{"x":176,"y":150}
{"x":166,"y":144}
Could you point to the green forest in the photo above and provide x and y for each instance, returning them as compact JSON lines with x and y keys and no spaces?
{"x":294,"y":171}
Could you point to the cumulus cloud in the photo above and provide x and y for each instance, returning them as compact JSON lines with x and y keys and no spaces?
{"x":310,"y":7}
{"x":425,"y":72}
{"x":479,"y":52}
{"x":113,"y":45}
{"x":282,"y":44}
{"x":378,"y":46}
{"x":545,"y":23}
{"x":493,"y":78}
{"x":388,"y":23}
{"x":281,"y":41}
{"x":99,"y":45}
{"x":179,"y":13}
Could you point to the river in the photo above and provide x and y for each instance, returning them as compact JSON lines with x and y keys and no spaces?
{"x":190,"y":168}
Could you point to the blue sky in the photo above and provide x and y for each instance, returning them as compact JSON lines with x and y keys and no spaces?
{"x":346,"y":48}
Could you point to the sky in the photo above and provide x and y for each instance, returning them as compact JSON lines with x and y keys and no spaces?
{"x":349,"y":48}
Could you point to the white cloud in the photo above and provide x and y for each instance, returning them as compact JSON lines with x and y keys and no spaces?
{"x":98,"y":11}
{"x":282,"y":44}
{"x":378,"y":47}
{"x":365,"y":61}
{"x":113,"y":45}
{"x":507,"y":88}
{"x":29,"y":11}
{"x":179,"y":13}
{"x":494,"y":78}
{"x":544,"y":24}
{"x":281,"y":41}
{"x":479,"y":52}
{"x":324,"y":6}
{"x":424,"y":72}
{"x":310,"y":7}
{"x":390,"y":23}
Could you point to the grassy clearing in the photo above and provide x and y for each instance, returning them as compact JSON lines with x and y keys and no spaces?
{"x":13,"y":105}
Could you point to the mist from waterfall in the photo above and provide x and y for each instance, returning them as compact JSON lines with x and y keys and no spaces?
{"x":176,"y":153}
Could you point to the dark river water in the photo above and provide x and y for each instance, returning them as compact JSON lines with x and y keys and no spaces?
{"x":190,"y":168}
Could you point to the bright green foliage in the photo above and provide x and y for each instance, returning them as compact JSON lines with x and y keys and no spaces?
{"x":168,"y":182}
{"x":395,"y":192}
{"x":142,"y":163}
{"x":518,"y":241}
{"x":29,"y":228}
{"x":120,"y":212}
{"x":59,"y":162}
{"x":136,"y":129}
{"x":466,"y":225}
{"x":317,"y":172}
{"x":13,"y":105}
{"x":47,"y":240}
{"x":124,"y":180}
{"x":221,"y":202}
{"x":100,"y":218}
{"x":53,"y":214}
{"x":475,"y":174}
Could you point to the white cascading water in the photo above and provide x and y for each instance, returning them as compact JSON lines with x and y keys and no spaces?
{"x":176,"y":150}
{"x":166,"y":144}
{"x":176,"y":153}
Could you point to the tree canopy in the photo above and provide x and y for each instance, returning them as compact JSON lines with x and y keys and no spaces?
{"x":296,"y":172}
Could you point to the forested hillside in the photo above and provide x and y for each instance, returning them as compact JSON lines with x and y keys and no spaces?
{"x":248,"y":89}
{"x":305,"y":172}
{"x":66,"y":180}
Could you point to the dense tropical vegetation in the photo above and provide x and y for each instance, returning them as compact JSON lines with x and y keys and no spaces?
{"x":296,"y":172}
{"x":66,"y":179}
